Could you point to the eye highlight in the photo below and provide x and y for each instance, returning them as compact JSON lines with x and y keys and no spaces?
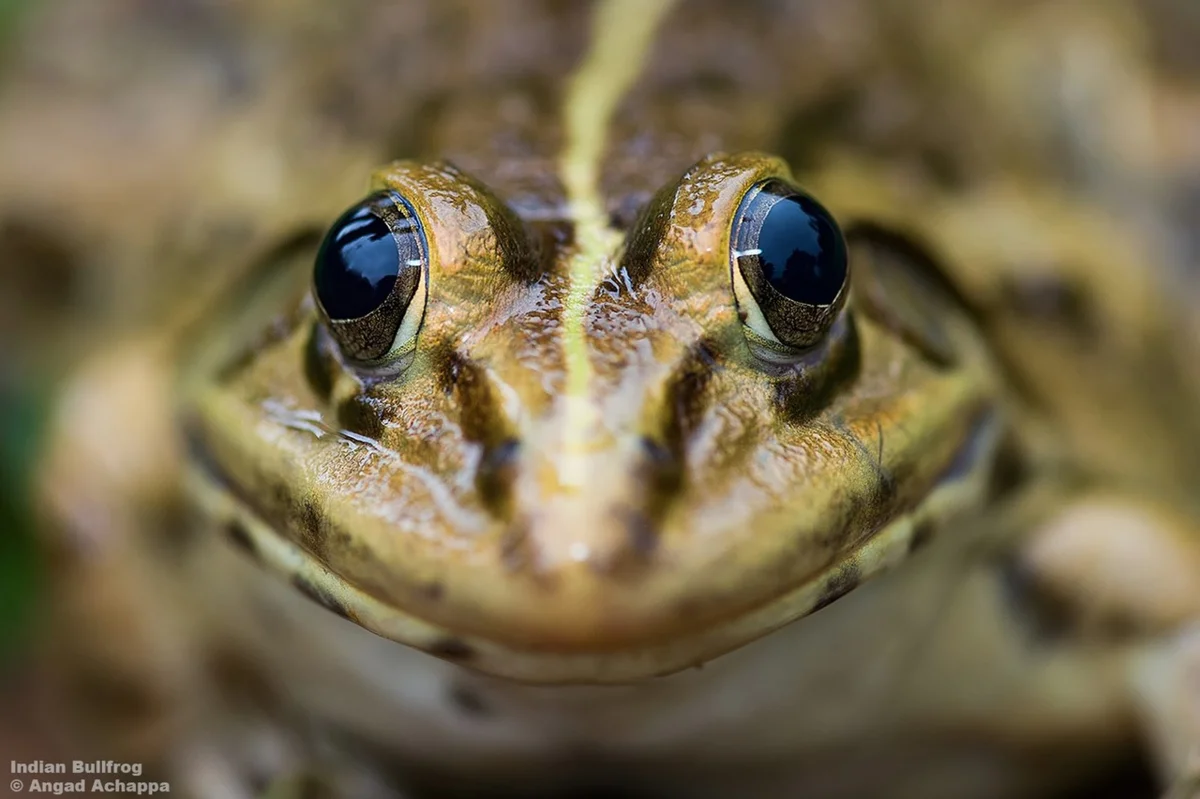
{"x":789,"y":266}
{"x":369,"y":279}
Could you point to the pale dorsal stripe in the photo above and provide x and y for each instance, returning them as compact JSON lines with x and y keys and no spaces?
{"x":621,"y":37}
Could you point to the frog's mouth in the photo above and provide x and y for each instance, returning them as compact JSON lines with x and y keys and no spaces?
{"x":963,"y":483}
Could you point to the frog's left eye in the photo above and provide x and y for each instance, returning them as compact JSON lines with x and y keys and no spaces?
{"x":369,"y":279}
{"x":789,"y":265}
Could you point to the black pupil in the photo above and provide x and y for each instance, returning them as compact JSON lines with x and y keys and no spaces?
{"x":357,"y":264}
{"x":802,"y":253}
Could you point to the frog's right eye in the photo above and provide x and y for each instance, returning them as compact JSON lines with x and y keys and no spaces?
{"x":370,"y":279}
{"x":790,"y":271}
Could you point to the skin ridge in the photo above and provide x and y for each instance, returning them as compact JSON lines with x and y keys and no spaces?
{"x":624,"y":30}
{"x":648,"y":234}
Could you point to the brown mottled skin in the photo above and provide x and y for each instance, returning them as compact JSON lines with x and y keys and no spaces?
{"x":732,"y":503}
{"x":838,"y":461}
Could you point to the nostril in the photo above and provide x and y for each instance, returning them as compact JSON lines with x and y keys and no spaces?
{"x":636,"y":534}
{"x":641,"y":532}
{"x":661,"y":470}
{"x":656,"y":452}
{"x":495,"y":475}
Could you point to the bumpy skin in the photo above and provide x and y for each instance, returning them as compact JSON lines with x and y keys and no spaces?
{"x":587,"y":475}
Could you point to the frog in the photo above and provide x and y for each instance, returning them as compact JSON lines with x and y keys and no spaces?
{"x":582,"y":490}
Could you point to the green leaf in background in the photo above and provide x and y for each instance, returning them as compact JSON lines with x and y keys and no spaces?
{"x":20,"y":422}
{"x":11,"y":14}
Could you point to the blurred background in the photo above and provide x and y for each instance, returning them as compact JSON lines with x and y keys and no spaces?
{"x":144,"y":142}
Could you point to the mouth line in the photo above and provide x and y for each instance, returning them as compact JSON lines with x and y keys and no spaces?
{"x":252,"y":532}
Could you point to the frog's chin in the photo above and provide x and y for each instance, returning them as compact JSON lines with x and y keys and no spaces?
{"x":643,"y":658}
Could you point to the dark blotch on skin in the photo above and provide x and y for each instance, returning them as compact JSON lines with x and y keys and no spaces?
{"x":320,"y":597}
{"x":845,"y":580}
{"x":451,"y":363}
{"x":281,"y":495}
{"x":312,"y":531}
{"x":361,"y":414}
{"x":451,"y":649}
{"x":468,"y":701}
{"x":434,"y":592}
{"x":659,"y":475}
{"x":198,"y":453}
{"x":479,"y":407}
{"x":240,"y":536}
{"x":661,"y":472}
{"x":318,"y":362}
{"x":641,"y":536}
{"x":687,"y":398}
{"x":495,"y":474}
{"x":922,"y":535}
{"x":178,"y":528}
{"x":657,"y":454}
{"x":805,"y":393}
{"x":1010,"y":469}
